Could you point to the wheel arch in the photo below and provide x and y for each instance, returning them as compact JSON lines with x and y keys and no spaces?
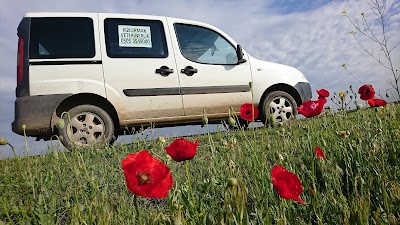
{"x":85,"y":99}
{"x":282,"y":87}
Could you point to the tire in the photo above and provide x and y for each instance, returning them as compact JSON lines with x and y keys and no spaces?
{"x":85,"y":126}
{"x":278,"y":105}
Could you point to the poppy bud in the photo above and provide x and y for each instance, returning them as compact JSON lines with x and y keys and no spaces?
{"x":67,"y":204}
{"x":55,"y":154}
{"x":60,"y":124}
{"x":232,"y":182}
{"x":359,"y":106}
{"x":272,"y":120}
{"x":76,"y":172}
{"x":3,"y":141}
{"x":23,"y":127}
{"x":234,"y":141}
{"x":231,"y":121}
{"x":224,"y":142}
{"x":205,"y":118}
{"x":311,"y":190}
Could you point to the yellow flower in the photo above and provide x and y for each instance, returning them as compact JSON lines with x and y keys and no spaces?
{"x":344,"y":134}
{"x":342,"y":95}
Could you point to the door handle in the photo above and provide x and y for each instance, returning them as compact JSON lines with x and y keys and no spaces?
{"x":189,"y":71}
{"x":164,"y":71}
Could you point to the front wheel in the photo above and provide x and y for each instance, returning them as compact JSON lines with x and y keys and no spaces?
{"x":278,"y":106}
{"x":86,"y":125}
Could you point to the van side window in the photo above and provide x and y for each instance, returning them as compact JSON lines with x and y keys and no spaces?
{"x":61,"y":37}
{"x":202,"y":45}
{"x":135,"y":38}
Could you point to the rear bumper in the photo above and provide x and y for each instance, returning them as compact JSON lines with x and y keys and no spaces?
{"x":304,"y":90}
{"x":35,"y":112}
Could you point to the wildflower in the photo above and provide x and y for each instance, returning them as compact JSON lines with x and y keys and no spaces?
{"x":249,"y":112}
{"x":342,"y":95}
{"x":322,"y":93}
{"x":161,"y":139}
{"x":181,"y":149}
{"x":319,"y":153}
{"x":312,"y":108}
{"x":344,"y":134}
{"x":146,"y":176}
{"x":287,"y":184}
{"x":376,"y":102}
{"x":366,"y":92}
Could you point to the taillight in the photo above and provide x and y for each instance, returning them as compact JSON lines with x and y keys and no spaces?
{"x":20,"y":60}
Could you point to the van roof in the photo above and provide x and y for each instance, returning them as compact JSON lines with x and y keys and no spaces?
{"x":89,"y":14}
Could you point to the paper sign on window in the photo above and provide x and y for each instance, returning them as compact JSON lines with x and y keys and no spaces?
{"x":134,"y":36}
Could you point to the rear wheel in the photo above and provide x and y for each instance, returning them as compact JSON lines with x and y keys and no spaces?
{"x":278,"y":106}
{"x":86,"y":125}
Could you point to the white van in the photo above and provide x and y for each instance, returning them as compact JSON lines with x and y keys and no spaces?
{"x":110,"y":72}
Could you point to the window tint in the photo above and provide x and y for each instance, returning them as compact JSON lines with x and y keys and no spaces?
{"x":53,"y":38}
{"x":202,"y":45}
{"x":132,"y":38}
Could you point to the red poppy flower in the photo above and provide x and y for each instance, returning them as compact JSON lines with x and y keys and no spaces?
{"x":376,"y":102}
{"x":312,"y":108}
{"x":182,"y":149}
{"x":146,"y":176}
{"x":366,"y":92}
{"x":322,"y":93}
{"x":287,"y":184}
{"x":319,"y":153}
{"x":247,"y":110}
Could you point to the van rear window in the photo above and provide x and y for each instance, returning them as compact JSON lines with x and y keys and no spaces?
{"x":135,"y":38}
{"x":61,"y":37}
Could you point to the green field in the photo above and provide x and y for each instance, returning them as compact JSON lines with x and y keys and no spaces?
{"x":358,"y":182}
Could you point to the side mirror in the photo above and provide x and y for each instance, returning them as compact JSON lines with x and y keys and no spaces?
{"x":239,"y":54}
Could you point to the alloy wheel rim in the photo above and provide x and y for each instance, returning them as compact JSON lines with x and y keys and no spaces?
{"x":86,"y":129}
{"x":280,"y":109}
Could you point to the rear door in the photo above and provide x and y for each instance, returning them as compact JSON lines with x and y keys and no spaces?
{"x":139,"y":68}
{"x":210,"y":77}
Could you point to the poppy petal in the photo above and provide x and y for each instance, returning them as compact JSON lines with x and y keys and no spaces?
{"x":182,"y":149}
{"x":287,"y":184}
{"x":158,"y":179}
{"x":366,"y":92}
{"x":247,"y":110}
{"x":376,"y":102}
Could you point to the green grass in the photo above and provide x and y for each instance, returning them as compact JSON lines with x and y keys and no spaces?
{"x":357,"y":183}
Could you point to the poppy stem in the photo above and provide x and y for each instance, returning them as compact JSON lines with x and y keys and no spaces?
{"x":188,"y":179}
{"x":137,"y":210}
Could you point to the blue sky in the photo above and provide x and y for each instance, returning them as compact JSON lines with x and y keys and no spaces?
{"x":291,"y":6}
{"x":310,"y":35}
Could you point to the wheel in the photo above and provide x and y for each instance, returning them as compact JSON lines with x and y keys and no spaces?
{"x":86,"y":125}
{"x":278,"y":106}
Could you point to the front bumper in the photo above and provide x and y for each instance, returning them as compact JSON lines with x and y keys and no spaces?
{"x":35,"y":112}
{"x":304,"y":90}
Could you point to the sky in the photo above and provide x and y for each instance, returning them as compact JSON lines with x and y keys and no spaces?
{"x":310,"y":35}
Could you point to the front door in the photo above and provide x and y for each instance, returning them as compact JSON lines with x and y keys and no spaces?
{"x":211,"y":79}
{"x":139,"y":68}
